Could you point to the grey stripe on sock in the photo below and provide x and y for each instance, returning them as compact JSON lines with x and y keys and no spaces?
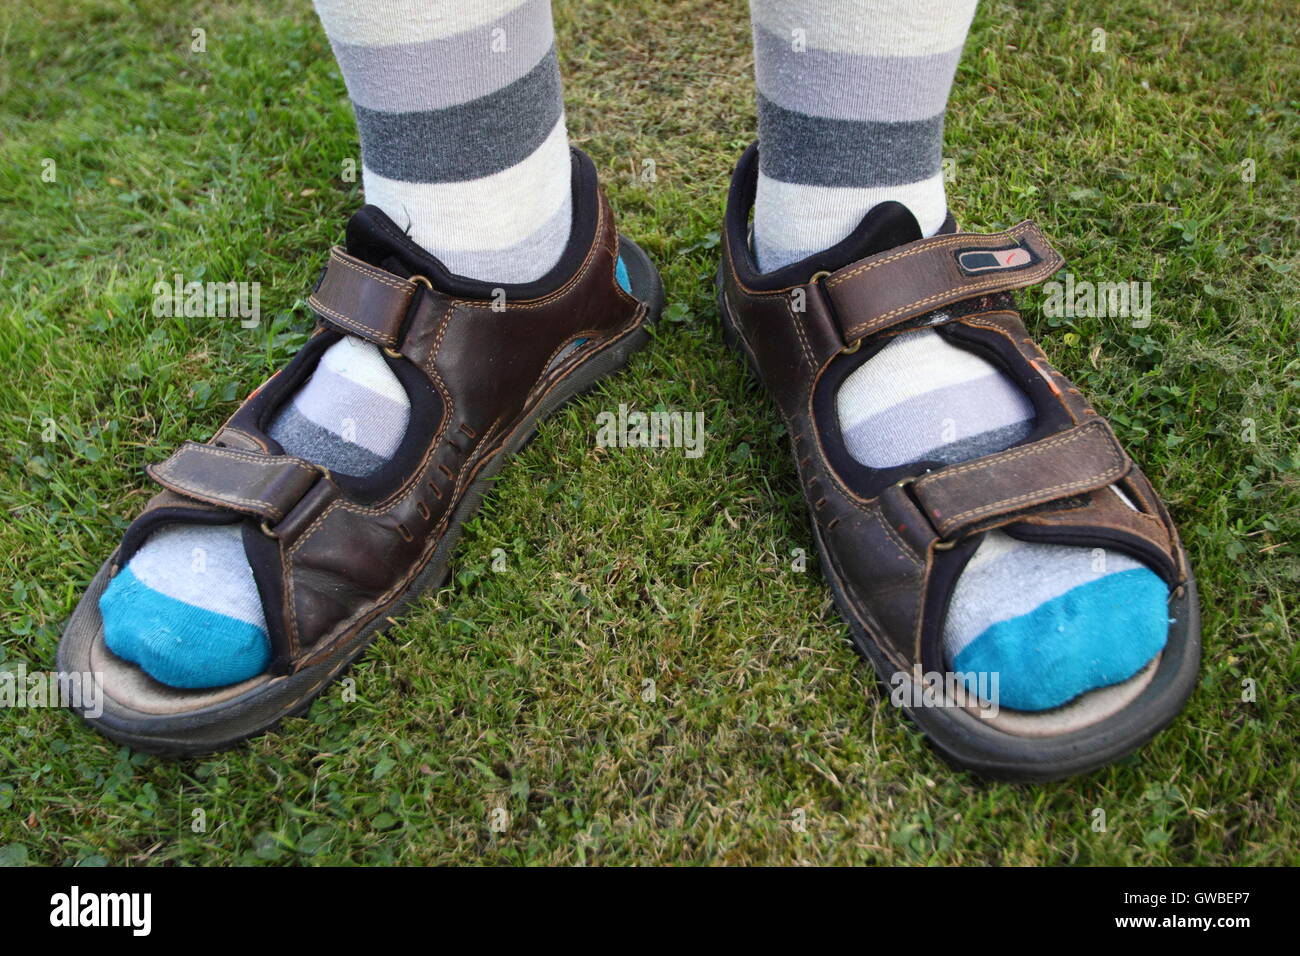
{"x":400,"y":78}
{"x":469,"y":141}
{"x":365,"y":416}
{"x":303,"y":437}
{"x":977,"y":446}
{"x":874,"y":450}
{"x":885,"y":88}
{"x":976,"y":413}
{"x":831,"y":152}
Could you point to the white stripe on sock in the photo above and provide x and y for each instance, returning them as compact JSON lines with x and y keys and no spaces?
{"x":876,"y":27}
{"x":390,"y":22}
{"x":361,"y":362}
{"x":911,"y":365}
{"x":202,"y":565}
{"x":492,"y":213}
{"x":792,"y":220}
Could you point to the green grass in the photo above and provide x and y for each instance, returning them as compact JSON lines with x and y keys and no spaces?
{"x":522,"y":689}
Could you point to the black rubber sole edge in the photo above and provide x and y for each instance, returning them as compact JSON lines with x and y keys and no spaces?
{"x":965,"y":741}
{"x":220,"y":726}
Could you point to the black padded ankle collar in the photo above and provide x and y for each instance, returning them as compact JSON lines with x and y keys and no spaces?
{"x":375,"y":238}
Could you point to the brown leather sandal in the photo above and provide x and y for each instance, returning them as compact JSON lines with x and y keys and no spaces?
{"x":336,"y":557}
{"x":894,"y":541}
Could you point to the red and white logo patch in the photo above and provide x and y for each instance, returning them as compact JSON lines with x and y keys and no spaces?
{"x":973,"y":261}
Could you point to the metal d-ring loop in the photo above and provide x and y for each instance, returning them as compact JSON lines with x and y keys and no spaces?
{"x":423,"y":280}
{"x":813,"y":280}
{"x":266,"y":525}
{"x":940,"y":544}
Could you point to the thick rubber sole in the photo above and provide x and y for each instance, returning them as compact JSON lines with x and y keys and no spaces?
{"x":220,"y":726}
{"x":968,"y":742}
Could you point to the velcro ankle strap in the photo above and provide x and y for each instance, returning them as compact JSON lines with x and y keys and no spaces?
{"x":266,"y":486}
{"x":362,"y":300}
{"x":894,"y":286}
{"x":1079,"y":459}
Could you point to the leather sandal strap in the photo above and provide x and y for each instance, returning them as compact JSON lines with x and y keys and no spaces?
{"x":266,"y":486}
{"x":362,"y":300}
{"x":894,"y":286}
{"x":1080,"y":459}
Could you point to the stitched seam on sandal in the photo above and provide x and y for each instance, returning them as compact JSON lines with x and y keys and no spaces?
{"x":163,"y":471}
{"x":370,"y":332}
{"x":370,"y":272}
{"x":1103,"y":477}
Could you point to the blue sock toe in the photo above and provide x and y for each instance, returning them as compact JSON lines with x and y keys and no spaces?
{"x":1094,"y":635}
{"x":176,"y":643}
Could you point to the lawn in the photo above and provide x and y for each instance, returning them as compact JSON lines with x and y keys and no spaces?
{"x":642,"y":673}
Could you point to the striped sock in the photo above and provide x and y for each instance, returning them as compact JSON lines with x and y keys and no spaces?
{"x":462,"y":127}
{"x":851,"y":97}
{"x":350,"y":416}
{"x":1052,"y":621}
{"x":922,"y":399}
{"x":463,"y":142}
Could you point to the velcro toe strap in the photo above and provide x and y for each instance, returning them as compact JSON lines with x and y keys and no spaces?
{"x":894,"y":286}
{"x":1077,"y":460}
{"x":266,"y":486}
{"x":359,"y":299}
